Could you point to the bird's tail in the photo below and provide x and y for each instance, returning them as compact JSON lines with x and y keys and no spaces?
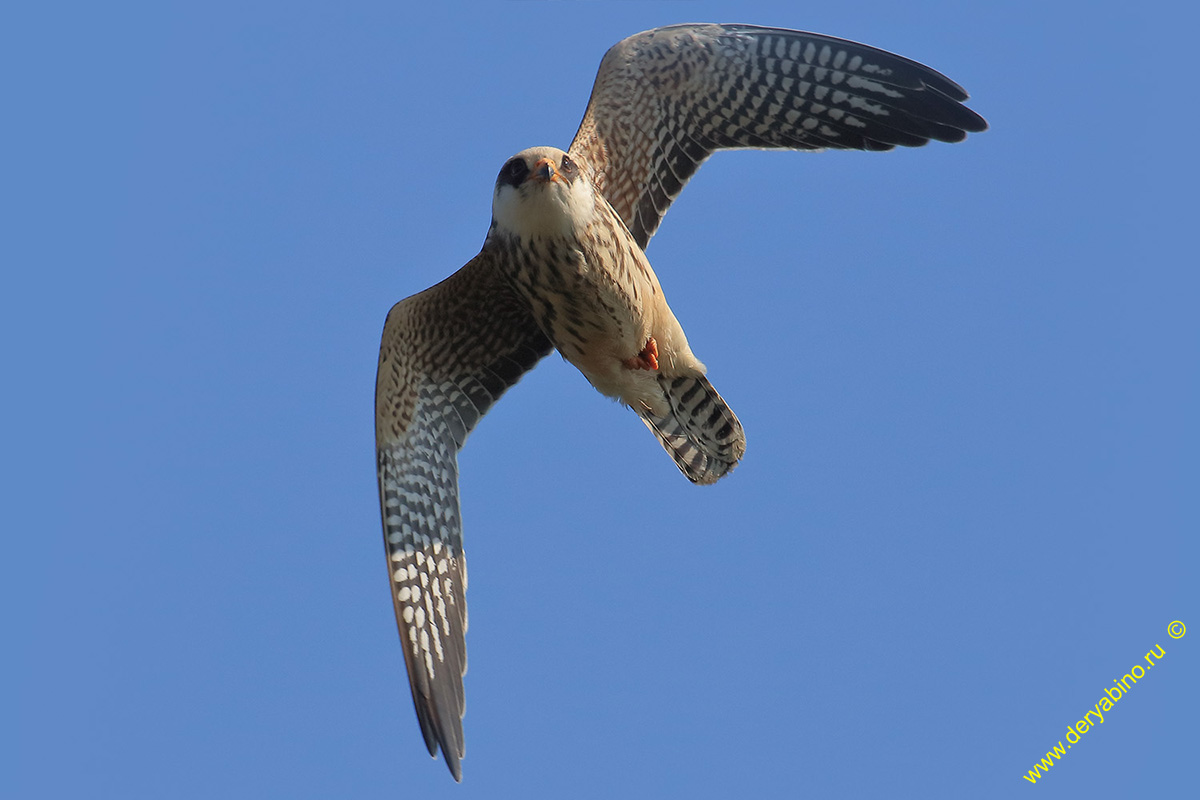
{"x":700,"y":432}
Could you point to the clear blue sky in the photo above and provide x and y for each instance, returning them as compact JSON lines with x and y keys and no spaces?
{"x":968,"y":375}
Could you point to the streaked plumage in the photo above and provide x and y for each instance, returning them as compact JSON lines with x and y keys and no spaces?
{"x":563,"y":267}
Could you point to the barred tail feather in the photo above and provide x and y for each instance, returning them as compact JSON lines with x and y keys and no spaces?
{"x":701,"y":432}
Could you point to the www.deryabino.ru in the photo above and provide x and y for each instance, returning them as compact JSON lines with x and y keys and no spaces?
{"x":1095,"y":715}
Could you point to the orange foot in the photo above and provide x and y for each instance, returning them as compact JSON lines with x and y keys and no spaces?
{"x":647,"y":359}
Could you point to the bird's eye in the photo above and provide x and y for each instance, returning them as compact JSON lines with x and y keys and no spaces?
{"x":568,"y":165}
{"x":514,"y":172}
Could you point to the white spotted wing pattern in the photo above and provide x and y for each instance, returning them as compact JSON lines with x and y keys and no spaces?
{"x":448,"y":354}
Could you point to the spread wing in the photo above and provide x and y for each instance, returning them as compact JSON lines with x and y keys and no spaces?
{"x":666,"y":99}
{"x":447,"y":354}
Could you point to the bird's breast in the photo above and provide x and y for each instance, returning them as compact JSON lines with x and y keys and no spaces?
{"x":586,"y":291}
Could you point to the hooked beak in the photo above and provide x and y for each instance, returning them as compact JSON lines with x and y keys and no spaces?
{"x":544,"y":171}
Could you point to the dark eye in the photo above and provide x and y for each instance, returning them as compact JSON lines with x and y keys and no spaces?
{"x":568,"y":166}
{"x":514,"y":172}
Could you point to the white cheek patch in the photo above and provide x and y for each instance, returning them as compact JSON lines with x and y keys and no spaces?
{"x":504,"y":207}
{"x":582,"y":201}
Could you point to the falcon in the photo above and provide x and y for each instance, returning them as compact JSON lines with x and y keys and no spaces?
{"x":563,"y":267}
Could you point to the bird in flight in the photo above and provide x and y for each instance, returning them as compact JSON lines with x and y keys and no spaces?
{"x":563,"y":267}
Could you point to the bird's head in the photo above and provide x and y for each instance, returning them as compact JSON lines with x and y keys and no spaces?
{"x":542,"y":191}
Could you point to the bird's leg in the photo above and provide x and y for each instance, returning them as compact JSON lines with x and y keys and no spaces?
{"x":647,"y":359}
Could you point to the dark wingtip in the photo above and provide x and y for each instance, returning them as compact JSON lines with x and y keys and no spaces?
{"x":982,"y":125}
{"x":971,"y":122}
{"x":455,"y":766}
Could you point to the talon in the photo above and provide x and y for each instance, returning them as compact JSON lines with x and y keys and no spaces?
{"x":647,"y":359}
